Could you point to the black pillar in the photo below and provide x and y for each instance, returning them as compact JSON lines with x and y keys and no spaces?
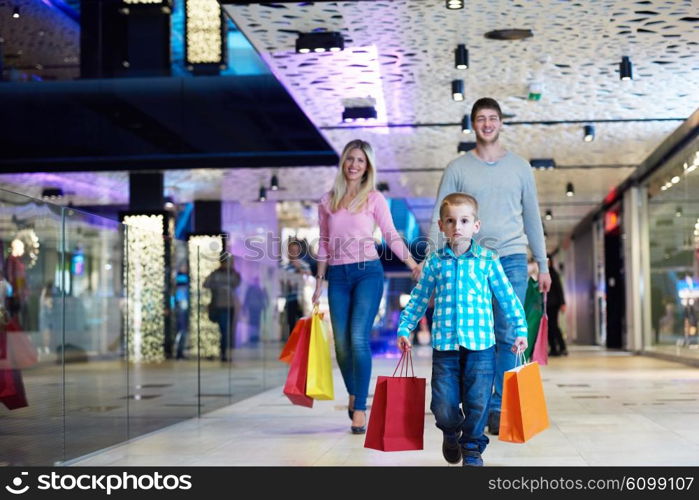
{"x":122,"y":40}
{"x":207,"y":217}
{"x":146,"y":191}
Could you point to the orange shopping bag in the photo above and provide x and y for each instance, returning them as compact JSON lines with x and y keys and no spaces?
{"x":523,"y":405}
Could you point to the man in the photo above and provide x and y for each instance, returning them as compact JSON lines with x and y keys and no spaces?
{"x":555,"y":302}
{"x":503,"y":184}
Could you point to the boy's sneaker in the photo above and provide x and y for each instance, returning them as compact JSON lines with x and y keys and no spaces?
{"x":472,"y":458}
{"x":494,"y":423}
{"x":451,"y":450}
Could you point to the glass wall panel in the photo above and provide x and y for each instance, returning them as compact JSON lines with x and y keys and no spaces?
{"x":673,"y":215}
{"x":31,"y":374}
{"x":93,"y":354}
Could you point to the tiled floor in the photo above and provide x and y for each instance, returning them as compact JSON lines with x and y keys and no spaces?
{"x":605,"y":409}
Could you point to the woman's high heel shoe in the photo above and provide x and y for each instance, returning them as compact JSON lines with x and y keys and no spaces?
{"x":358,"y":429}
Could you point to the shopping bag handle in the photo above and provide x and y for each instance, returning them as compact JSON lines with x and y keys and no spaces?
{"x":403,"y":363}
{"x":520,"y":359}
{"x":545,"y":296}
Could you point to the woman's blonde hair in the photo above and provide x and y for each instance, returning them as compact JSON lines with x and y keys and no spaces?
{"x":368,"y":179}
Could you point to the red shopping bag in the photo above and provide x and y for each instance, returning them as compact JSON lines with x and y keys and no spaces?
{"x":295,"y":386}
{"x":17,"y":350}
{"x":540,"y":354}
{"x":524,"y":411}
{"x":397,"y":419}
{"x":287,"y":354}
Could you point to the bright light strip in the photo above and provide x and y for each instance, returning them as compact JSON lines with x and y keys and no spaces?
{"x":203,"y":25}
{"x":144,"y":277}
{"x":145,"y":2}
{"x":675,"y":179}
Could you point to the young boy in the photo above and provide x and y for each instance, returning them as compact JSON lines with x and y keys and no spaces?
{"x":464,"y":277}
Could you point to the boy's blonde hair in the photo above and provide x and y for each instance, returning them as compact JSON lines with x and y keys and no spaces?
{"x":458,"y":199}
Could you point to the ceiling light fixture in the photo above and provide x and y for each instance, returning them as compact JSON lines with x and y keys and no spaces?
{"x":457,"y":90}
{"x":461,"y":57}
{"x":589,"y":133}
{"x":543,"y":163}
{"x":320,"y":41}
{"x":465,"y":147}
{"x":359,"y":113}
{"x":466,"y":127}
{"x":549,"y":214}
{"x":570,"y":191}
{"x":678,"y":212}
{"x":52,"y":193}
{"x":455,"y":4}
{"x":263,"y":194}
{"x":625,"y":69}
{"x":274,"y":183}
{"x":15,"y":12}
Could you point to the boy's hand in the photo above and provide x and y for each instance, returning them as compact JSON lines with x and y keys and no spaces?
{"x":520,"y":344}
{"x":404,"y":344}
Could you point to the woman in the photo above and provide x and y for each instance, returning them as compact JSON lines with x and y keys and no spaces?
{"x":348,"y":215}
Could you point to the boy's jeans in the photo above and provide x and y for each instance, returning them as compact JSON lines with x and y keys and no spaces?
{"x":515,"y":267}
{"x":354,"y":295}
{"x":463,"y":377}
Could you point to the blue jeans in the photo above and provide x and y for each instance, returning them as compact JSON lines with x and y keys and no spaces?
{"x":463,"y":378}
{"x":354,"y":294}
{"x":515,"y":267}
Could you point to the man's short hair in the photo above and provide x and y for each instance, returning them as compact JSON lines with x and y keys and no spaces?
{"x":485,"y":103}
{"x":458,"y":199}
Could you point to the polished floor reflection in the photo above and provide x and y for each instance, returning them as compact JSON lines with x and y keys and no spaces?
{"x":606,"y":408}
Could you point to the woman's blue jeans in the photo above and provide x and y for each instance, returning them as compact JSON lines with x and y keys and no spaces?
{"x":354,"y":294}
{"x":515,"y":267}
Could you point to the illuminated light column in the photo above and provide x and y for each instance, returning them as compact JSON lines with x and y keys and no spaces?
{"x":144,"y":281}
{"x":205,"y":253}
{"x":204,"y":36}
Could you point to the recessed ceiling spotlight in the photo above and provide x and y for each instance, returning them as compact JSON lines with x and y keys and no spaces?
{"x":465,"y":147}
{"x":263,"y":194}
{"x":359,"y":113}
{"x":457,"y":90}
{"x":15,"y":12}
{"x":543,"y":163}
{"x":570,"y":191}
{"x":589,"y":133}
{"x":461,"y":57}
{"x":625,"y":69}
{"x":455,"y":4}
{"x":274,"y":183}
{"x":466,"y":126}
{"x":549,"y":214}
{"x":319,"y":41}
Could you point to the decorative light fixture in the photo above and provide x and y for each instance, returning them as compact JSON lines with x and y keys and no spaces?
{"x":625,"y":69}
{"x":569,"y":190}
{"x":455,"y":4}
{"x":457,"y":90}
{"x":461,"y":57}
{"x":274,"y":183}
{"x":589,"y":133}
{"x":678,"y":212}
{"x":320,"y":41}
{"x":465,"y":147}
{"x":204,"y":32}
{"x":263,"y":194}
{"x":359,"y":113}
{"x":15,"y":12}
{"x":549,"y":214}
{"x":466,"y":127}
{"x":542,"y":163}
{"x":52,"y":193}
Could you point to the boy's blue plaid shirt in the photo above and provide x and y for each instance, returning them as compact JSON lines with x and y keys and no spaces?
{"x":463,"y":312}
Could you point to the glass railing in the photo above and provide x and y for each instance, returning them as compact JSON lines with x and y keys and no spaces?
{"x":111,"y":330}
